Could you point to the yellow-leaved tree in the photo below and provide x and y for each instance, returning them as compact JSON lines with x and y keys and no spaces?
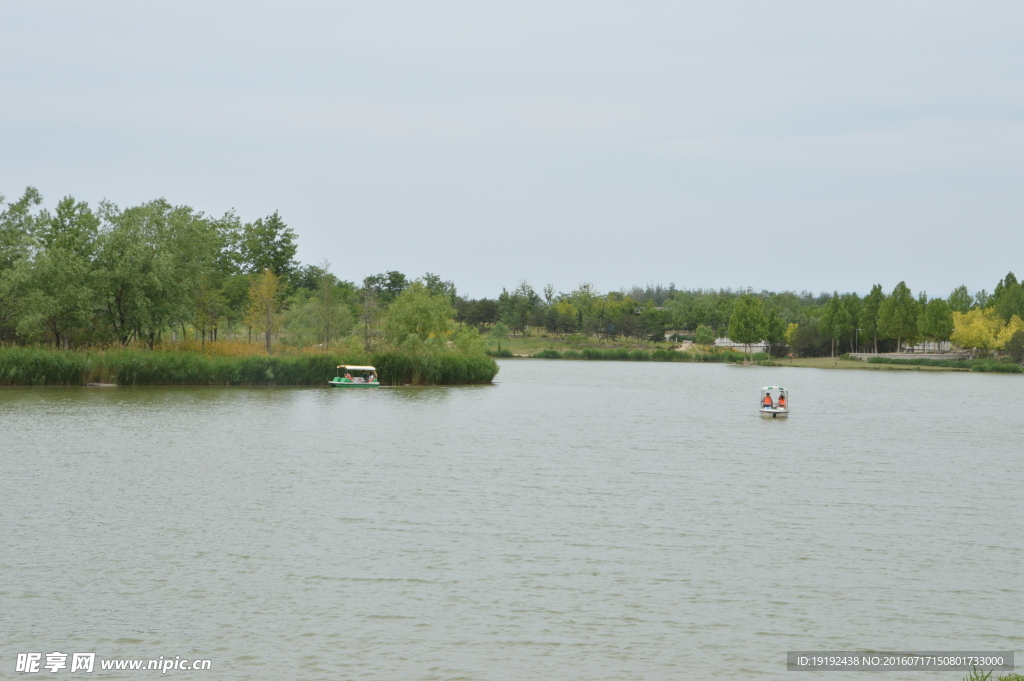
{"x":1013,"y":326}
{"x":791,"y":330}
{"x":264,"y":310}
{"x":977,"y":329}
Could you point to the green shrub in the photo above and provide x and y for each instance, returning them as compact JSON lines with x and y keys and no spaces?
{"x":998,"y":368}
{"x":947,"y":363}
{"x":640,"y":356}
{"x":548,"y":354}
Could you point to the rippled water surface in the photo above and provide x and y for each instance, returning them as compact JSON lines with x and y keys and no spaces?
{"x":578,"y":520}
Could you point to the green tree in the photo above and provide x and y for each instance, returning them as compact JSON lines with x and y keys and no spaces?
{"x":1015,"y":347}
{"x":562,"y":317}
{"x":437,"y":286}
{"x":704,"y":335}
{"x":897,"y":317}
{"x":775,"y":329}
{"x":58,"y":293}
{"x":748,"y":323}
{"x":386,"y":286}
{"x":516,"y":309}
{"x":869,"y":315}
{"x":17,"y":223}
{"x":960,"y":300}
{"x":835,"y":322}
{"x":936,"y":322}
{"x":652,"y":322}
{"x":149,"y":261}
{"x":853,"y":304}
{"x":369,"y":314}
{"x":332,"y":317}
{"x":1008,"y":298}
{"x":208,"y":309}
{"x":268,"y":244}
{"x":419,"y":320}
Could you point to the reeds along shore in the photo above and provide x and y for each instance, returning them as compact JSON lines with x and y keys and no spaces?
{"x":39,"y":366}
{"x":623,"y":354}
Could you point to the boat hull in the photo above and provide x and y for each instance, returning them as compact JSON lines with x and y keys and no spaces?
{"x":774,"y":413}
{"x":349,"y":384}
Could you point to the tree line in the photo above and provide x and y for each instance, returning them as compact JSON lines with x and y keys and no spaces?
{"x":805,"y":324}
{"x":78,"y":276}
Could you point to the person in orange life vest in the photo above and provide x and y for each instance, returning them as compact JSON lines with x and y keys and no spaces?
{"x":767,"y":402}
{"x":782,"y":400}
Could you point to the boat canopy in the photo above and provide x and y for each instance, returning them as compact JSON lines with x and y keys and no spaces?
{"x":772,"y":387}
{"x":356,"y":368}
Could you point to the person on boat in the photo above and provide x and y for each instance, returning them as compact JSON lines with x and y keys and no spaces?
{"x":371,"y":378}
{"x":767,"y":402}
{"x":348,"y":375}
{"x":782,"y":400}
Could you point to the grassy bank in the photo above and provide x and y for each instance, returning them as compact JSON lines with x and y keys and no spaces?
{"x":856,"y":364}
{"x":730,"y":357}
{"x":637,"y":355}
{"x":887,"y":364}
{"x":40,"y":366}
{"x":529,"y":346}
{"x":983,"y":365}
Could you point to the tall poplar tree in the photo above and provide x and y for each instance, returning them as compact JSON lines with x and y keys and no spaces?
{"x":835,"y":321}
{"x":774,"y":330}
{"x":1008,"y":298}
{"x":869,"y":315}
{"x":936,"y":323}
{"x":960,"y":300}
{"x":748,"y":323}
{"x":897,"y":316}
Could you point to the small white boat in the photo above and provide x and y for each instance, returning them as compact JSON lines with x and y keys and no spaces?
{"x":774,"y":401}
{"x":352,"y":376}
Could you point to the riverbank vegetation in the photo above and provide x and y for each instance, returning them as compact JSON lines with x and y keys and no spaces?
{"x":162,"y":276}
{"x":165,"y":294}
{"x":38,"y":366}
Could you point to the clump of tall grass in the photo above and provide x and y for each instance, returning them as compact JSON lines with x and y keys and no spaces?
{"x":445,"y":368}
{"x":39,"y":366}
{"x":978,"y":675}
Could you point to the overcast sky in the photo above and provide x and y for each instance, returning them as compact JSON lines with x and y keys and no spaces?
{"x":811,"y":145}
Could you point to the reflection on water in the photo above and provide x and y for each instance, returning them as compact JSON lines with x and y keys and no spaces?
{"x":576,"y":521}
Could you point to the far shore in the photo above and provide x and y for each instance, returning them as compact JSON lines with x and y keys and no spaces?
{"x":837,"y":363}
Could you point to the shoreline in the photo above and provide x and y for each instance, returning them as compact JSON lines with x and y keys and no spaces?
{"x":833,"y":363}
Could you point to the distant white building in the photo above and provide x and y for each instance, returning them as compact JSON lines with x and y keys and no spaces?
{"x":754,"y":347}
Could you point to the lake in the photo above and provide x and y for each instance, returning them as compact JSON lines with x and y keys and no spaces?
{"x":577,"y":521}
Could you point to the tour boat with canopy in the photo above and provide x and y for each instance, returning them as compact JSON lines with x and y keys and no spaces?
{"x":352,"y":376}
{"x":774,"y":401}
